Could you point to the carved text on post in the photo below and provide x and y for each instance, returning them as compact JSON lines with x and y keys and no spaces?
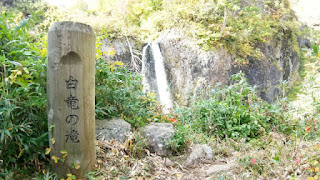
{"x":72,"y":102}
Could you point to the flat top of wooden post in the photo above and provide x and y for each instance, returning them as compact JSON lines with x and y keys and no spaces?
{"x":71,"y":26}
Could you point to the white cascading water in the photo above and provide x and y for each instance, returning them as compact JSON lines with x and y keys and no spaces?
{"x":161,"y":77}
{"x":145,"y":84}
{"x":162,"y":82}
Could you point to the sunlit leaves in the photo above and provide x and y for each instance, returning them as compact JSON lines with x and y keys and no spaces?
{"x":71,"y":176}
{"x":51,"y":127}
{"x":64,"y":154}
{"x":76,"y":165}
{"x":52,"y":140}
{"x":48,"y":150}
{"x":55,"y":159}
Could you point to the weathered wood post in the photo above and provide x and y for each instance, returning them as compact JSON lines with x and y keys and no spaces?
{"x":71,"y":94}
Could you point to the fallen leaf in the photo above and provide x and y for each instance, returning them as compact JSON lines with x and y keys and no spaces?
{"x":253,"y":161}
{"x":53,"y":141}
{"x":307,"y":128}
{"x":55,"y":159}
{"x":48,"y":150}
{"x":172,"y":120}
{"x":63,"y":152}
{"x":77,"y":166}
{"x":20,"y":153}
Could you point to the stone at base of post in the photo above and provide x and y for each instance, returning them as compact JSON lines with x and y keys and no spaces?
{"x":71,"y":92}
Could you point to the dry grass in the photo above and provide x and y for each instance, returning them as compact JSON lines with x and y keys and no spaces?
{"x":277,"y":157}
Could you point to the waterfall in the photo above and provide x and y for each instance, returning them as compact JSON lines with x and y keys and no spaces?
{"x":162,"y":82}
{"x":154,"y":76}
{"x":144,"y":69}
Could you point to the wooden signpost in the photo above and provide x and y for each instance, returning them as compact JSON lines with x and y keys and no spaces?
{"x":71,"y":94}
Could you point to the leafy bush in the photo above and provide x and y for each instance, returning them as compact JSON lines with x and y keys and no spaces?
{"x":234,"y":111}
{"x":179,"y":141}
{"x":119,"y":93}
{"x":315,"y":49}
{"x":23,"y":121}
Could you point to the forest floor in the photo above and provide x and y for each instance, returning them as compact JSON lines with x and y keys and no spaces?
{"x":273,"y":156}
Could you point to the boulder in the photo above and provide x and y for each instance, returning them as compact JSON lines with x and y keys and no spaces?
{"x":215,"y":169}
{"x":199,"y":153}
{"x":157,"y":136}
{"x":115,"y":129}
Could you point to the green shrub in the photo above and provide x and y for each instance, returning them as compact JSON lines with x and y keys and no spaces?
{"x":119,"y":93}
{"x":234,"y":111}
{"x":180,"y":139}
{"x":23,"y":121}
{"x":315,"y":49}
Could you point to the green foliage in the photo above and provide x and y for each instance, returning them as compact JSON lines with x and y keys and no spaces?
{"x":180,"y":139}
{"x":119,"y":93}
{"x":315,"y":48}
{"x":23,"y":121}
{"x":237,"y":25}
{"x":234,"y":111}
{"x":51,"y":14}
{"x":140,"y":10}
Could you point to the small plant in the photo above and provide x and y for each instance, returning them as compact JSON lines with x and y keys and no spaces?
{"x":315,"y":48}
{"x":139,"y":146}
{"x":179,"y":141}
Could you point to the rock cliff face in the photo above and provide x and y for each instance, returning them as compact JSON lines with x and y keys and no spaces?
{"x":280,"y":63}
{"x":127,"y":50}
{"x":189,"y":68}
